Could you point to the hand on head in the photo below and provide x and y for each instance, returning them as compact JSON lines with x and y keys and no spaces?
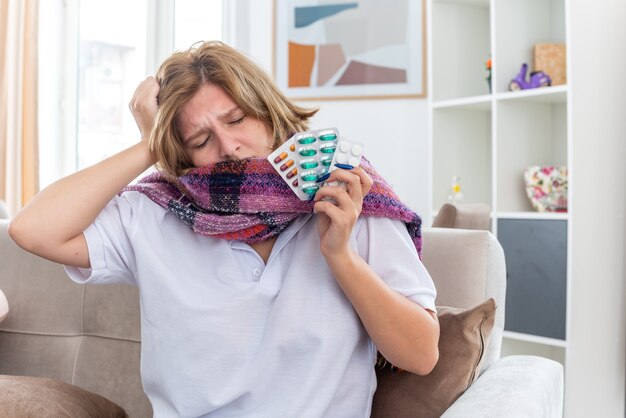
{"x":144,"y":106}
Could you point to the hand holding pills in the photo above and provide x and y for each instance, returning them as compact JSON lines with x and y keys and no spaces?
{"x":339,"y":208}
{"x":308,"y":160}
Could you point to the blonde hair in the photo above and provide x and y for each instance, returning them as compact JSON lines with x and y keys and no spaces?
{"x":183,"y":73}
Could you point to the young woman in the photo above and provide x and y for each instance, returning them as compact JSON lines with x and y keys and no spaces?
{"x":253,"y":303}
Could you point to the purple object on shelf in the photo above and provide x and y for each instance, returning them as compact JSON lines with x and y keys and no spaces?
{"x":537,"y":79}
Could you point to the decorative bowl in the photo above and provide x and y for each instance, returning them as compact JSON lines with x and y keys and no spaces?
{"x":546,"y":188}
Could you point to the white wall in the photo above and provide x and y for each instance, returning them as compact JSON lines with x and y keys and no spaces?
{"x":394,"y":131}
{"x":594,"y":382}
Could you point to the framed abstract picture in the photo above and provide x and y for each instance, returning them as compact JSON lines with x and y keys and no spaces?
{"x":350,"y":49}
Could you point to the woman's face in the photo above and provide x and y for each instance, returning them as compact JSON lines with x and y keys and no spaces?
{"x":213,"y":129}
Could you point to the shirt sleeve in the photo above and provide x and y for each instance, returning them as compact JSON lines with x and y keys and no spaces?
{"x":387,"y":247}
{"x":110,"y":251}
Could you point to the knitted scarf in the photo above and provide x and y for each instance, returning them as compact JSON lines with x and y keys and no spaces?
{"x":247,"y":200}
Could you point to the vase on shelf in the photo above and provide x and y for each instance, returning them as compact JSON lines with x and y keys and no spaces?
{"x":456,"y":195}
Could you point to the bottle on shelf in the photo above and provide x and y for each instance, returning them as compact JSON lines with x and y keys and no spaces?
{"x":456,"y":195}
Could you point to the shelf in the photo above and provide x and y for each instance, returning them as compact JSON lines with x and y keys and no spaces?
{"x":554,"y":94}
{"x":475,"y":102}
{"x":479,"y":3}
{"x":512,"y":346}
{"x":534,"y":339}
{"x":529,"y":133}
{"x":533,"y":215}
{"x":489,"y":136}
{"x":519,"y":25}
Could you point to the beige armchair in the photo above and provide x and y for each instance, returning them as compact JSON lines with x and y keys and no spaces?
{"x":89,"y":336}
{"x":467,"y":267}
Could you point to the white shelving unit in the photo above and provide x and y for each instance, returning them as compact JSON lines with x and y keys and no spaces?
{"x":487,"y":138}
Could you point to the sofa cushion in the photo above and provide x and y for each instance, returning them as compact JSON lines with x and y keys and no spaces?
{"x":23,"y":396}
{"x":463,"y":338}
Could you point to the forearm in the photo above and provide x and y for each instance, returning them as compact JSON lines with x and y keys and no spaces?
{"x":64,"y":209}
{"x":404,"y":332}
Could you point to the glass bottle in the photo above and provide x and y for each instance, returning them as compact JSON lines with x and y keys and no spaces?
{"x":456,"y":195}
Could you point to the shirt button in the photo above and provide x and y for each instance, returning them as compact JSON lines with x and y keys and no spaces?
{"x":256,"y":272}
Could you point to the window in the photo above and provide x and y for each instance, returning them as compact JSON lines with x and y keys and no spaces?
{"x":111,"y":62}
{"x":96,"y":53}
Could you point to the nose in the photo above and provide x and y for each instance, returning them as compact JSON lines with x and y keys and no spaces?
{"x":229,"y":146}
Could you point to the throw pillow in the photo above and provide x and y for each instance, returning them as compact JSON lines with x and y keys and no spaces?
{"x":24,"y":396}
{"x":463,"y":338}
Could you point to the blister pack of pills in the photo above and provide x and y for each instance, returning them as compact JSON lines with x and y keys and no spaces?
{"x":347,"y":154}
{"x":305,"y":160}
{"x":283,"y":160}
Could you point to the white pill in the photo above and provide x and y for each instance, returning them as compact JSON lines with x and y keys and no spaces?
{"x":356,"y":150}
{"x":353,"y":161}
{"x":344,"y":146}
{"x":341,"y":158}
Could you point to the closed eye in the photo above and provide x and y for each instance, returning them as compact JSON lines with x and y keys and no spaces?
{"x":237,"y":121}
{"x":203,"y":143}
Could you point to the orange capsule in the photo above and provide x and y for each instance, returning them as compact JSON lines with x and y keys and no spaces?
{"x":292,"y":173}
{"x":286,"y":165}
{"x":281,"y":157}
{"x":292,"y":148}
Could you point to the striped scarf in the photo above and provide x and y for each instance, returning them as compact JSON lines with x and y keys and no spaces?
{"x":247,"y":200}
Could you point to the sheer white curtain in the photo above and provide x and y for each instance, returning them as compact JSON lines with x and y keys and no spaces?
{"x":18,"y":102}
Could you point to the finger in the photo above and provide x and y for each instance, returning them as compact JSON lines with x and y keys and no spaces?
{"x":339,"y":199}
{"x":366,"y":179}
{"x":353,"y":182}
{"x":150,"y":88}
{"x":145,"y":95}
{"x":336,"y":215}
{"x":338,"y":193}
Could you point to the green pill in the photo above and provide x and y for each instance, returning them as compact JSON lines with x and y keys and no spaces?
{"x":310,"y":164}
{"x":326,"y":162}
{"x":308,"y":152}
{"x":306,"y":140}
{"x":309,"y":177}
{"x":328,"y":137}
{"x":310,"y":189}
{"x":328,"y":150}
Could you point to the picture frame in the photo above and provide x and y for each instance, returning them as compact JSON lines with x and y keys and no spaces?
{"x":358,"y":49}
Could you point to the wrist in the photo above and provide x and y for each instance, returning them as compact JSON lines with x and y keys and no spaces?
{"x":341,"y":257}
{"x":147,"y":155}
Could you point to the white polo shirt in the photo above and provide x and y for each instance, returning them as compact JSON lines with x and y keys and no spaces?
{"x":224,"y":335}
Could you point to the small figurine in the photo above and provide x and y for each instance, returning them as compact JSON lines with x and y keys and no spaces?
{"x":537,"y":79}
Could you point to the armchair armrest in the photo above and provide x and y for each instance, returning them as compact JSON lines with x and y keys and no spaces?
{"x":514,"y":386}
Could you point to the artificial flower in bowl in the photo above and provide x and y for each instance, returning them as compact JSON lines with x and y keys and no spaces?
{"x":546,"y":187}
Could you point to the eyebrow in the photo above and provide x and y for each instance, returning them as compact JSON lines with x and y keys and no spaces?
{"x":225,"y":116}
